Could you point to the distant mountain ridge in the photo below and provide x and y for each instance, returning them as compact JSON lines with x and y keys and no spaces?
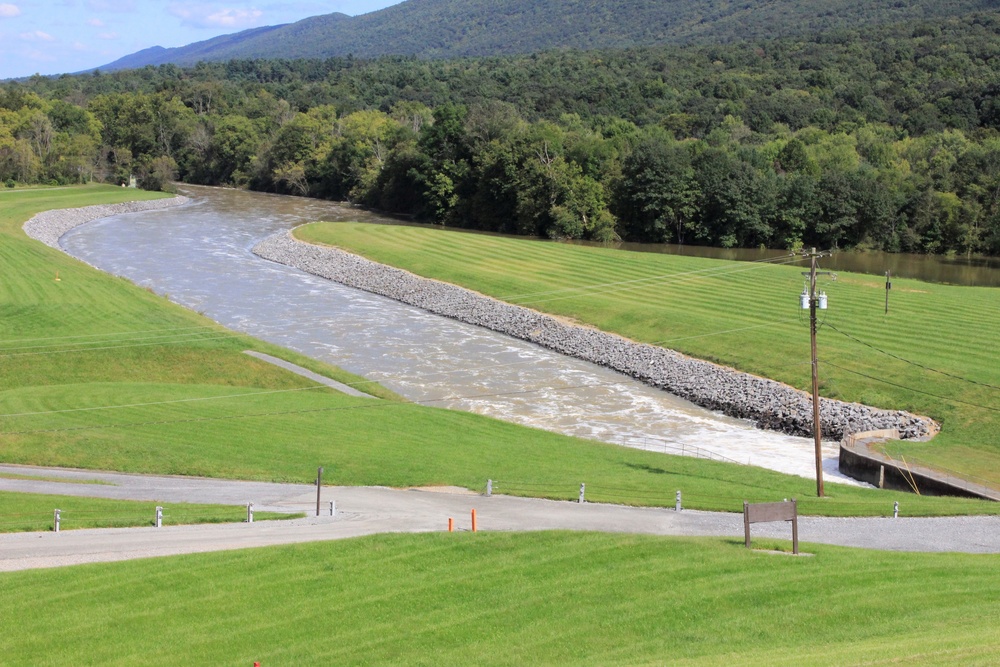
{"x":457,"y":28}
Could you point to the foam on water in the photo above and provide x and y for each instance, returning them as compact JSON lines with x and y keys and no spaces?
{"x":199,"y":256}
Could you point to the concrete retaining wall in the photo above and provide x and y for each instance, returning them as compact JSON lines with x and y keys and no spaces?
{"x":857,"y":460}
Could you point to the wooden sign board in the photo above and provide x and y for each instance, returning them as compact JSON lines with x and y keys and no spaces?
{"x":769,"y":512}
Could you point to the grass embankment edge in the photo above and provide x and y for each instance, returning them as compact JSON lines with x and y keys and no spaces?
{"x":931,"y":355}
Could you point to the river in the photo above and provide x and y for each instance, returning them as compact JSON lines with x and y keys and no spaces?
{"x":199,"y":256}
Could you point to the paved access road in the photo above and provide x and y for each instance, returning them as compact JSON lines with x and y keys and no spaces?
{"x":370,"y":510}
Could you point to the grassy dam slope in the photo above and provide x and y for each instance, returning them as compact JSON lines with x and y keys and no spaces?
{"x":934,"y":353}
{"x":98,"y":373}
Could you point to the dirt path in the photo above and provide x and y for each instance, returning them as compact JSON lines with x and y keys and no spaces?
{"x":370,"y":510}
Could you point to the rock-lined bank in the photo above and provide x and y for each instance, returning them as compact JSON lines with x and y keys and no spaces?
{"x":49,"y":226}
{"x":770,"y":404}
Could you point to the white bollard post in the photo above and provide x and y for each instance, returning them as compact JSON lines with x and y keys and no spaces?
{"x":333,"y":508}
{"x":58,"y":517}
{"x":895,"y":510}
{"x":583,"y":488}
{"x":249,"y":512}
{"x":677,"y":502}
{"x":489,"y":488}
{"x":159,"y":517}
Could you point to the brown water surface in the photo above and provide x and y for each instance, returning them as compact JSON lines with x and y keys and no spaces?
{"x":199,"y":254}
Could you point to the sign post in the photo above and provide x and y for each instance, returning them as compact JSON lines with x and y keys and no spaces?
{"x":769,"y":512}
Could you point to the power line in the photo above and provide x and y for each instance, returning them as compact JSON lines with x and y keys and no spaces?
{"x":355,"y":384}
{"x":113,"y":347}
{"x":667,"y":279}
{"x":916,"y":391}
{"x":471,"y":370}
{"x":685,"y":278}
{"x":170,"y":402}
{"x":180,"y":337}
{"x":364,"y":406}
{"x":708,"y":270}
{"x":251,"y":394}
{"x":728,"y":331}
{"x":358,"y":383}
{"x":120,"y":333}
{"x":912,"y":363}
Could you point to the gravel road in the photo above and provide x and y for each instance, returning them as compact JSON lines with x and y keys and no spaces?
{"x":371,"y":510}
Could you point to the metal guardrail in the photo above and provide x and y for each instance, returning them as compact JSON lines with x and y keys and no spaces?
{"x":681,"y":449}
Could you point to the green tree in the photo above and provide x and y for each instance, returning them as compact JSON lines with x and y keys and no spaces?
{"x":656,"y":198}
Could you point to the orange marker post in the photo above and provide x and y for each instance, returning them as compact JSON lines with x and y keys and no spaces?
{"x":473,"y":520}
{"x":451,"y":525}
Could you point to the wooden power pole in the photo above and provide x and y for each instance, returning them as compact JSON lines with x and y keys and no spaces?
{"x":814,"y":303}
{"x":319,"y":488}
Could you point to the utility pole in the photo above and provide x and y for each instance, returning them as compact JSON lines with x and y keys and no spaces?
{"x":319,"y":487}
{"x":815,"y":301}
{"x":888,"y":286}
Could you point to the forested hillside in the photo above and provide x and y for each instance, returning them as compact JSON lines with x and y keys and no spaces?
{"x":886,"y":137}
{"x":460,"y":28}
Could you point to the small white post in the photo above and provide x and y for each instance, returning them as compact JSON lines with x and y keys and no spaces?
{"x":677,"y":502}
{"x":58,"y":516}
{"x":249,"y":512}
{"x":159,"y":517}
{"x":583,"y":488}
{"x":895,"y":510}
{"x":489,"y":488}
{"x":333,"y":508}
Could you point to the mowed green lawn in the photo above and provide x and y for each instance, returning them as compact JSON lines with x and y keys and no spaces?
{"x":27,"y":512}
{"x":89,"y":327}
{"x":509,"y":599}
{"x":746,"y":315}
{"x":85,"y":381}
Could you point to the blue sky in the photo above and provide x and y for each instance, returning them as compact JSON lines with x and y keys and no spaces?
{"x":57,"y":36}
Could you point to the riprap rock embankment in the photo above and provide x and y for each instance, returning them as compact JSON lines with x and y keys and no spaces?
{"x":49,"y":226}
{"x":770,"y":404}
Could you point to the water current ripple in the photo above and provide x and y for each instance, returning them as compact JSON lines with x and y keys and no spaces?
{"x":199,"y":255}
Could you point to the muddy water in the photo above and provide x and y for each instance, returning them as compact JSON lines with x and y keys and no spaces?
{"x":199,"y":255}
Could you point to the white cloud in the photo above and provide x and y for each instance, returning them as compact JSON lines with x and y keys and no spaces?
{"x":37,"y":36}
{"x":97,"y":23}
{"x":112,"y":5}
{"x":8,"y":10}
{"x":215,"y":16}
{"x":234,"y":17}
{"x":108,"y":35}
{"x":39,"y":56}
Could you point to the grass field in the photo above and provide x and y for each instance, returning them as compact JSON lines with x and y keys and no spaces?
{"x":509,"y":599}
{"x":194,"y":404}
{"x":746,"y":316}
{"x":190,"y":402}
{"x":23,"y":512}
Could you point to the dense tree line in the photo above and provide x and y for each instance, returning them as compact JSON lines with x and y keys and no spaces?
{"x":884,"y":138}
{"x":463,"y":28}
